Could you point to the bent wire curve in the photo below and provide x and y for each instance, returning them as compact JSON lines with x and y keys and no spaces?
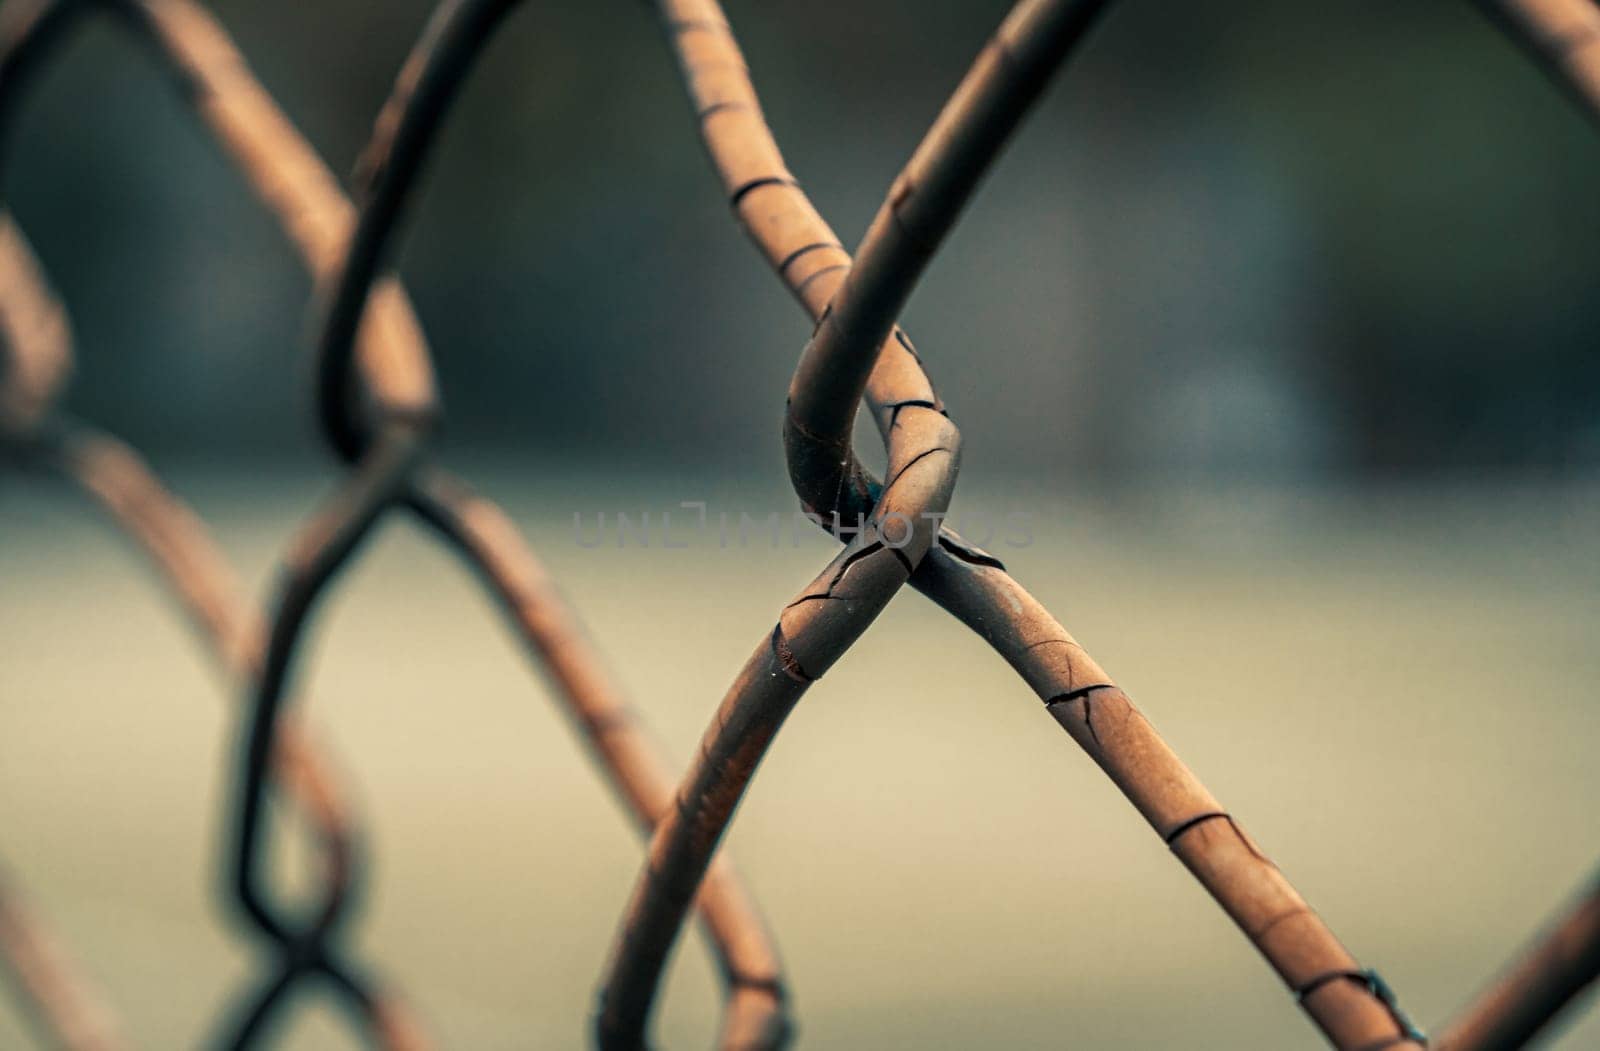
{"x":754,"y":1013}
{"x":427,"y":85}
{"x":755,"y":1016}
{"x":1562,"y":37}
{"x":118,"y":479}
{"x":896,"y":387}
{"x":973,"y":585}
{"x":1558,"y":966}
{"x":391,"y":354}
{"x":38,"y":339}
{"x":114,"y":476}
{"x":855,"y":310}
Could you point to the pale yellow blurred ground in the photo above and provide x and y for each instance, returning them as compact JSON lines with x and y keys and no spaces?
{"x":1393,"y":689}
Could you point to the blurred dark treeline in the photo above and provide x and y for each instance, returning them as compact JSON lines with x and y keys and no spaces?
{"x":1239,"y":237}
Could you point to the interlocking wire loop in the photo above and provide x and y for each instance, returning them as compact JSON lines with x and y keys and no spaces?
{"x":306,"y":199}
{"x":855,"y":306}
{"x":972,"y":585}
{"x":377,"y":403}
{"x":389,"y":474}
{"x":112,"y":474}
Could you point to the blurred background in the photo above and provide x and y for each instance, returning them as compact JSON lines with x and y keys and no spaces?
{"x":1278,"y":321}
{"x":1240,"y":237}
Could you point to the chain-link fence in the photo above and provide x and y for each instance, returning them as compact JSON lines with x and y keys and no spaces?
{"x":377,"y":405}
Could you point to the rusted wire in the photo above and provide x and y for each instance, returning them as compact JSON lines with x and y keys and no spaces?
{"x":189,"y":562}
{"x":829,"y":478}
{"x":115,"y":477}
{"x":755,"y":1014}
{"x":377,"y":403}
{"x":34,"y":363}
{"x":36,"y":348}
{"x":63,"y":1008}
{"x":392,"y":358}
{"x":1552,"y":972}
{"x":1359,"y":1012}
{"x":1563,"y":37}
{"x":389,"y":352}
{"x":427,"y":85}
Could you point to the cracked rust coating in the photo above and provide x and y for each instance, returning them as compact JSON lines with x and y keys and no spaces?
{"x":377,"y":403}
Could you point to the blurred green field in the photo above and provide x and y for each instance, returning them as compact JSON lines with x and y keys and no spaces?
{"x":1392,"y":687}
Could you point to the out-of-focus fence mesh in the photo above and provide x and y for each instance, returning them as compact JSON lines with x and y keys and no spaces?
{"x":377,"y":404}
